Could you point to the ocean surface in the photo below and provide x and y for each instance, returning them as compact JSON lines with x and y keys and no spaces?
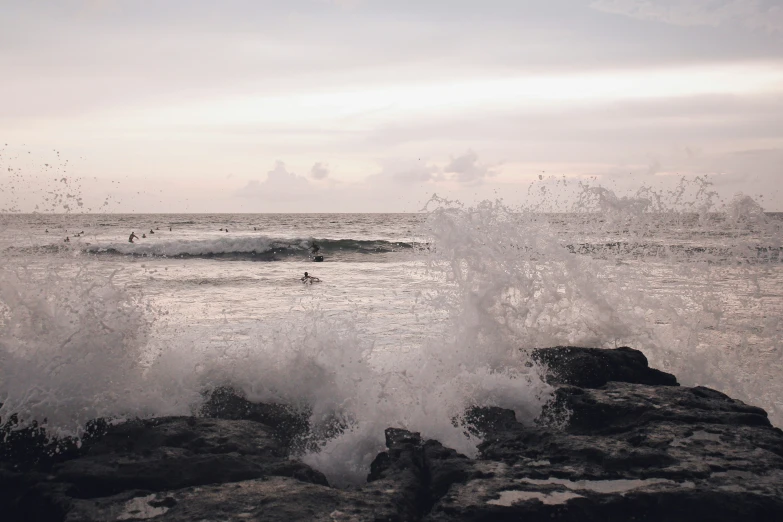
{"x":415,"y":317}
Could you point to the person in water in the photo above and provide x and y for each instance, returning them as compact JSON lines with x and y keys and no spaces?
{"x":152,"y":231}
{"x":310,"y":279}
{"x":133,"y":235}
{"x":314,"y":248}
{"x":68,"y":240}
{"x":144,"y":236}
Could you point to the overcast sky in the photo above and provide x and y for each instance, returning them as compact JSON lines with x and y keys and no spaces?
{"x":374,"y":105}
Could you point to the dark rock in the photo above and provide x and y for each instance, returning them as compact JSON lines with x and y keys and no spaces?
{"x":157,"y":455}
{"x":392,"y":495}
{"x":486,"y":420}
{"x":619,"y":441}
{"x":594,"y":367}
{"x":274,"y":499}
{"x":31,"y":447}
{"x":176,"y":452}
{"x":399,"y":472}
{"x":288,"y":424}
{"x":627,"y":452}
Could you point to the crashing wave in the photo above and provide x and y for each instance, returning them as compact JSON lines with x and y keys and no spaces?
{"x":257,"y":248}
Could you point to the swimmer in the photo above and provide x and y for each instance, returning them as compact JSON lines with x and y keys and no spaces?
{"x":68,"y":240}
{"x":152,"y":231}
{"x":144,"y":236}
{"x":310,"y":279}
{"x":132,"y":236}
{"x":314,"y":248}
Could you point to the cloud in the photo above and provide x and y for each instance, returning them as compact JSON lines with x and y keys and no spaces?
{"x":463,"y":169}
{"x":279,"y":184}
{"x":753,"y":14}
{"x":467,"y":169}
{"x":408,"y":171}
{"x":319,"y":171}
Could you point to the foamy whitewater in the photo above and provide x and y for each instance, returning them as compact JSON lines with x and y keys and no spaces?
{"x":417,"y":317}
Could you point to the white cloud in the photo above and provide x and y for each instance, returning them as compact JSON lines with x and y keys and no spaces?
{"x":279,"y":184}
{"x":754,"y":14}
{"x":319,"y":171}
{"x":408,"y":171}
{"x":467,"y":169}
{"x":463,"y":169}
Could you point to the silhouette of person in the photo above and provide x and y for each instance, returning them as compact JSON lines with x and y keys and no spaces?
{"x":310,"y":279}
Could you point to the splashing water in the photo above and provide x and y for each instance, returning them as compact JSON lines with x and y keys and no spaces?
{"x":694,"y":284}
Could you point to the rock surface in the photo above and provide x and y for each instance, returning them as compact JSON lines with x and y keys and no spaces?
{"x":619,"y":441}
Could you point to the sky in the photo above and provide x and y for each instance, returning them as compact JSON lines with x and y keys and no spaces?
{"x":375,"y":105}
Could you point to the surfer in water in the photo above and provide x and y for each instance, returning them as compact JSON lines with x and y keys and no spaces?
{"x":314,"y":248}
{"x":133,"y":235}
{"x":310,"y":279}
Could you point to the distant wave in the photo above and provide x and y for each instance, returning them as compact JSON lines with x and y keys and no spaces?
{"x":652,"y":250}
{"x":257,"y":248}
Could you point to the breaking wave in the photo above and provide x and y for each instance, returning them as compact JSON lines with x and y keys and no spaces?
{"x":249,"y":248}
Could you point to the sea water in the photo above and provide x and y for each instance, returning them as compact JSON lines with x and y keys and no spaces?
{"x":416,"y":317}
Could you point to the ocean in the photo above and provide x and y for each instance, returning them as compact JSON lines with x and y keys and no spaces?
{"x":415,"y":317}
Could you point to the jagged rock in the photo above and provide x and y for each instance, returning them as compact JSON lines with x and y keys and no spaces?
{"x":175,"y":452}
{"x":629,"y":451}
{"x":594,"y":367}
{"x":278,"y":499}
{"x":288,"y":424}
{"x":28,"y":448}
{"x":160,"y":454}
{"x":619,"y":441}
{"x":395,"y":492}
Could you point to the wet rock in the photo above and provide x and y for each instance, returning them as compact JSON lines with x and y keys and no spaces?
{"x":271,"y":499}
{"x":619,"y":441}
{"x":594,"y":367}
{"x":30,"y":447}
{"x":156,"y":455}
{"x":627,"y":452}
{"x":395,"y":492}
{"x":289,"y":425}
{"x":175,"y":452}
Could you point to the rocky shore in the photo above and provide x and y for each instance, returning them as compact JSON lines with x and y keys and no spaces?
{"x":619,"y":441}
